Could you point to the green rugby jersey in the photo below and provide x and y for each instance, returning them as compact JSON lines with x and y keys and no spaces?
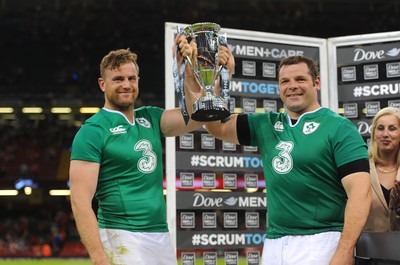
{"x":130,"y":185}
{"x":304,"y":192}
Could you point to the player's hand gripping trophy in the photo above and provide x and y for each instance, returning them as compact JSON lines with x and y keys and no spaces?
{"x":207,"y":71}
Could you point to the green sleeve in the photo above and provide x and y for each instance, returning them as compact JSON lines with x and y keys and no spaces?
{"x":87,"y":144}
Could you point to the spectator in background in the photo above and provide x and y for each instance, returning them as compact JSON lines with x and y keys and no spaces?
{"x":385,"y":176}
{"x":46,"y":250}
{"x":384,"y":159}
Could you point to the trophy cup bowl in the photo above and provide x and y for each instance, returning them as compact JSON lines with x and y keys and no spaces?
{"x":210,"y":106}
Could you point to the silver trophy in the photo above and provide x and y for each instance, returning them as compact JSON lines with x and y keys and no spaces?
{"x":210,"y":106}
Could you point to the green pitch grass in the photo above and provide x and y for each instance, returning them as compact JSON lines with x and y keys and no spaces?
{"x":220,"y":261}
{"x":45,"y":262}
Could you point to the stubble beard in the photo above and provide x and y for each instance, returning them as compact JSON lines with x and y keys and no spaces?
{"x":122,"y":105}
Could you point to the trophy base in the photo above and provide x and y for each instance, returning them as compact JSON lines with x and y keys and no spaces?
{"x":210,"y":109}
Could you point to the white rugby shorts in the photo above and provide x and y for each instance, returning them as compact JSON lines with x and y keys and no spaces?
{"x":317,"y":249}
{"x":124,"y":247}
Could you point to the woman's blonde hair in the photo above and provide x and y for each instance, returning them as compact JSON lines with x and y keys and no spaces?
{"x":373,"y":149}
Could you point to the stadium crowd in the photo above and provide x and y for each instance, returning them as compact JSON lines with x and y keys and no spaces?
{"x":35,"y":225}
{"x":36,"y":232}
{"x":31,"y":149}
{"x":50,"y":49}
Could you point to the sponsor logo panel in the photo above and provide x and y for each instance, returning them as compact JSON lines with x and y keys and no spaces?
{"x":221,"y":200}
{"x":365,"y":91}
{"x":187,"y":180}
{"x":350,"y":110}
{"x":372,"y":108}
{"x":221,"y":239}
{"x":187,"y":220}
{"x":218,"y":161}
{"x":188,"y":258}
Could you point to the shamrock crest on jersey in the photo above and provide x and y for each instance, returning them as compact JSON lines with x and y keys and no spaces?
{"x":144,"y":122}
{"x":310,"y":127}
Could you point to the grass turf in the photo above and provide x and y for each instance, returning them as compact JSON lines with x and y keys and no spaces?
{"x":83,"y":261}
{"x":45,"y":261}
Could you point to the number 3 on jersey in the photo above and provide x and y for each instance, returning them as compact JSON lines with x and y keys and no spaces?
{"x":283,"y":163}
{"x":148,"y":162}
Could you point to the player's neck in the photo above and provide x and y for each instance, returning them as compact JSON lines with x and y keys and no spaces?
{"x":128,"y":112}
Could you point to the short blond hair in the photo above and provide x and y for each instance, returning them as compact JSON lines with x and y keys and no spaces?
{"x":116,"y":58}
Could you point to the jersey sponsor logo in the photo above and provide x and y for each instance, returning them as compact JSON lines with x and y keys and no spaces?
{"x":310,"y":127}
{"x":278,"y":126}
{"x":283,"y":162}
{"x":118,"y":130}
{"x":148,"y":162}
{"x":144,"y":122}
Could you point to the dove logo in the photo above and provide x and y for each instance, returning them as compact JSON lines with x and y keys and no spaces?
{"x":364,"y":128}
{"x":393,"y":52}
{"x":201,"y":201}
{"x":361,"y":55}
{"x":231,"y":47}
{"x":231,"y":201}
